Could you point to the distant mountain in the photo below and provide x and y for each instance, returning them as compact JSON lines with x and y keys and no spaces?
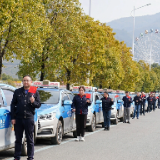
{"x":11,"y":68}
{"x":124,"y":27}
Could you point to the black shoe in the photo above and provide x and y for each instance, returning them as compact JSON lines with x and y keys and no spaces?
{"x":137,"y":118}
{"x":133,"y":118}
{"x":124,"y":121}
{"x":108,"y":128}
{"x":105,"y":128}
{"x":129,"y":122}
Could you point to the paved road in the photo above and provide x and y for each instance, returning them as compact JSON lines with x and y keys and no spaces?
{"x":139,"y":140}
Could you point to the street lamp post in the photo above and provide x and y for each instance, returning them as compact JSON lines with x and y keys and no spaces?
{"x":89,"y":15}
{"x":89,"y":7}
{"x":134,"y":9}
{"x":133,"y":31}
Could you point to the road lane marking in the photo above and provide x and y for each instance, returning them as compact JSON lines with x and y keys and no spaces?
{"x":52,"y":146}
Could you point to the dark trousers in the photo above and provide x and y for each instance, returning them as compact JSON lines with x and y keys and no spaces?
{"x":142,"y":111}
{"x":22,"y":125}
{"x":81,"y":124}
{"x":149,"y":108}
{"x":159,"y":105}
{"x":107,"y":116}
{"x":136,"y":110}
{"x":154,"y":106}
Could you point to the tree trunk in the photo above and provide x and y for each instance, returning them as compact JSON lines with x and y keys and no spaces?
{"x":2,"y":51}
{"x":68,"y":79}
{"x":100,"y":86}
{"x":1,"y":65}
{"x":42,"y":68}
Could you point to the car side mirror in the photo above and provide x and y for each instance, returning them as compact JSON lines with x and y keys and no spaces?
{"x":98,"y":101}
{"x":66,"y":102}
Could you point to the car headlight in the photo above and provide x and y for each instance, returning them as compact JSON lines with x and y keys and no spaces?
{"x":89,"y":110}
{"x":114,"y":108}
{"x":49,"y":116}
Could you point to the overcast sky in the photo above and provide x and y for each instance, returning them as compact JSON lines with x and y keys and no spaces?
{"x":108,"y":10}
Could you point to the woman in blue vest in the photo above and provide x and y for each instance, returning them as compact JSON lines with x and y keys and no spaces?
{"x":80,"y":106}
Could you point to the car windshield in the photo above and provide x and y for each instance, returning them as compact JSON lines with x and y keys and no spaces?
{"x":112,"y":96}
{"x":49,"y":96}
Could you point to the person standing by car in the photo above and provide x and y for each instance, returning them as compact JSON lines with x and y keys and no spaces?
{"x":80,"y":106}
{"x":143,"y":96}
{"x":137,"y":100}
{"x":127,"y":104}
{"x":154,"y":99}
{"x":107,"y":103}
{"x":22,"y":115}
{"x":158,"y":101}
{"x":149,"y":99}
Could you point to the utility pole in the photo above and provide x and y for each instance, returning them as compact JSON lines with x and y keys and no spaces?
{"x":89,"y":7}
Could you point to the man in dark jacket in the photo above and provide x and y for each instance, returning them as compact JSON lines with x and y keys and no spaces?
{"x":127,"y":105}
{"x":154,"y":99}
{"x":149,"y":99}
{"x":158,"y":101}
{"x":107,"y":103}
{"x":22,"y":115}
{"x":137,"y":100}
{"x":143,"y":102}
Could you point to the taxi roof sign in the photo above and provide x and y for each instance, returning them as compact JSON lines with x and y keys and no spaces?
{"x":46,"y":83}
{"x":88,"y":88}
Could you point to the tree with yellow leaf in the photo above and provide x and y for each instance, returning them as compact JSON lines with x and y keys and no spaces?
{"x":22,"y":24}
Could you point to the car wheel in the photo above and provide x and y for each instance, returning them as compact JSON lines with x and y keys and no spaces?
{"x":75,"y":134}
{"x":116,"y":120}
{"x":132,"y":114}
{"x":93,"y":124}
{"x":24,"y":147}
{"x":121,"y":119}
{"x":59,"y":133}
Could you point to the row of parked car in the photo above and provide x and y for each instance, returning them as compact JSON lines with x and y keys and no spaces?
{"x":55,"y":117}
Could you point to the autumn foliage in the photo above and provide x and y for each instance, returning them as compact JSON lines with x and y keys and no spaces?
{"x":55,"y":40}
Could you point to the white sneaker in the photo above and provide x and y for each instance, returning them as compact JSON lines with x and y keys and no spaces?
{"x":77,"y":139}
{"x":82,"y":139}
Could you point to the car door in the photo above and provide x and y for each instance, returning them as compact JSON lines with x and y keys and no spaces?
{"x":73,"y":115}
{"x":2,"y":120}
{"x":66,"y":113}
{"x":9,"y":129}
